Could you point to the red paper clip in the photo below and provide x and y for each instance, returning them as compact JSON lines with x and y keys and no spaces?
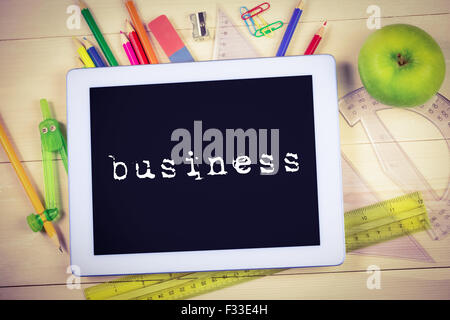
{"x":260,"y":8}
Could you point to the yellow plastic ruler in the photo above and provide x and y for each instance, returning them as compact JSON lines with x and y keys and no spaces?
{"x":363,"y":227}
{"x":385,"y":220}
{"x":173,"y":286}
{"x":359,"y":107}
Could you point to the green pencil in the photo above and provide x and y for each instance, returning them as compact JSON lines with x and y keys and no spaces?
{"x":97,"y":34}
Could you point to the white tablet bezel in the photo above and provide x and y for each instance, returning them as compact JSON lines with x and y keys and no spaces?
{"x":331,"y":250}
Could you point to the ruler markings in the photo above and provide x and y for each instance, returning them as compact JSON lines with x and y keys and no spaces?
{"x":369,"y":225}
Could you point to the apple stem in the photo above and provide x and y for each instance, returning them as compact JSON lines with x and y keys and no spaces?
{"x":401,"y":60}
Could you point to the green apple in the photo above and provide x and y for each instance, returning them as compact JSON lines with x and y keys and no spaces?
{"x":401,"y":65}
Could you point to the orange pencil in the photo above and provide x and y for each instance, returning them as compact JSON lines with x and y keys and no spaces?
{"x":31,"y":193}
{"x":142,"y":33}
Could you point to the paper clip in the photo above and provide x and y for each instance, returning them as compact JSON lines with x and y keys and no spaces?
{"x":255,"y":25}
{"x":267,"y":30}
{"x":262,"y":25}
{"x":255,"y":11}
{"x":244,"y":11}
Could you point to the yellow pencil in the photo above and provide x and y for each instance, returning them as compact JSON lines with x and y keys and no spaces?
{"x":84,"y":55}
{"x":32,"y":195}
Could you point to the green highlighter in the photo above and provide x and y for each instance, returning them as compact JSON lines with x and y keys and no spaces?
{"x":52,"y":141}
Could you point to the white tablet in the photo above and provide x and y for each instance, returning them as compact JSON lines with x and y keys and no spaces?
{"x":205,"y":166}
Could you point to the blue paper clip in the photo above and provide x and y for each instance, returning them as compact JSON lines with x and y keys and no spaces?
{"x":252,"y":22}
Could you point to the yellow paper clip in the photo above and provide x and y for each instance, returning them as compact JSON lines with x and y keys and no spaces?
{"x":262,"y":25}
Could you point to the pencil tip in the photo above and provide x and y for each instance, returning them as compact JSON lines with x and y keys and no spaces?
{"x":123,"y":37}
{"x":61,"y":250}
{"x":129,"y":27}
{"x":325,"y":23}
{"x":81,"y":4}
{"x":86,"y":43}
{"x":76,"y":40}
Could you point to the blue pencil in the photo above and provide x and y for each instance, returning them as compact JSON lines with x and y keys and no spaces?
{"x":290,"y":29}
{"x":93,"y":53}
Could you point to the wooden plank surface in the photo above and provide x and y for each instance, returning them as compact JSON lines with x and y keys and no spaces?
{"x":38,"y":52}
{"x":110,"y":14}
{"x":402,"y":284}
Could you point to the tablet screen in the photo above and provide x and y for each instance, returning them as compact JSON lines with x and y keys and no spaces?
{"x":208,"y":165}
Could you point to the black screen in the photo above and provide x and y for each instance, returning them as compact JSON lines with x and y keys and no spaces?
{"x":271,"y":202}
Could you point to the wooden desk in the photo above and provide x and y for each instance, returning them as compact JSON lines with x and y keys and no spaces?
{"x":36,"y":52}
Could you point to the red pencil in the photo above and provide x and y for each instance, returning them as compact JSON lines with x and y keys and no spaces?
{"x":134,"y":39}
{"x":316,"y":40}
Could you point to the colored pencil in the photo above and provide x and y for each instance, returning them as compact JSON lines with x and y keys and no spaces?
{"x":128,"y":49}
{"x":97,"y":34}
{"x":316,"y":40}
{"x":83,"y":53}
{"x":28,"y":187}
{"x":134,"y":39}
{"x":93,"y":53}
{"x":142,"y":33}
{"x":290,"y":29}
